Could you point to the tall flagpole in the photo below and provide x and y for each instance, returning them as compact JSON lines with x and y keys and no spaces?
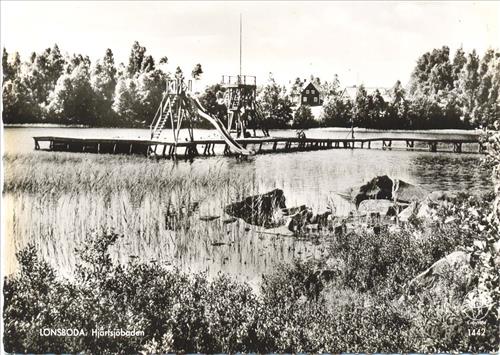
{"x":240,"y":44}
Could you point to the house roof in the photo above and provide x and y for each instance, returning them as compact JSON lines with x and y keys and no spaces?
{"x":306,"y":84}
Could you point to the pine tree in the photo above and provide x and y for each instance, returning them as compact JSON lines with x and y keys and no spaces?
{"x":135,"y":59}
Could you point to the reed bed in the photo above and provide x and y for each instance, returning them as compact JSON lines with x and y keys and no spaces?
{"x":62,"y":173}
{"x":59,"y":200}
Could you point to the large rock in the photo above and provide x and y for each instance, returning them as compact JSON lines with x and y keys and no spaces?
{"x":407,"y":192}
{"x":385,"y":188}
{"x":426,"y":212}
{"x":426,"y":209}
{"x":454,"y":267}
{"x":377,"y":188}
{"x":408,"y":212}
{"x":383,"y":207}
{"x":260,"y":209}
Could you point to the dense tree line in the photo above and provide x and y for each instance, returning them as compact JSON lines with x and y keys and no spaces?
{"x":443,"y":92}
{"x":53,"y":88}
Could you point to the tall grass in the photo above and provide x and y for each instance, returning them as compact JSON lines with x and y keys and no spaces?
{"x":58,"y":200}
{"x":65,"y":173}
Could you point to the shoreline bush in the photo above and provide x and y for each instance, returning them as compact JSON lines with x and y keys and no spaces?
{"x":299,"y":307}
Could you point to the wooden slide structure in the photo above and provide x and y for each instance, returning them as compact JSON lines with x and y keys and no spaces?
{"x":219,"y":126}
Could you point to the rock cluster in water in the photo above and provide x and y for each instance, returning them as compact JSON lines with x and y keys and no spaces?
{"x":260,"y":209}
{"x":379,"y":203}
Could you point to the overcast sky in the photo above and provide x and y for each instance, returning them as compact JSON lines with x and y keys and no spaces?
{"x":373,"y":43}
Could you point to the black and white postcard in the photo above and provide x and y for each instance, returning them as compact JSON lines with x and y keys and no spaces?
{"x":250,"y":177}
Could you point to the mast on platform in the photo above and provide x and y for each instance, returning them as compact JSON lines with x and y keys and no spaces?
{"x":241,"y":31}
{"x":241,"y":99}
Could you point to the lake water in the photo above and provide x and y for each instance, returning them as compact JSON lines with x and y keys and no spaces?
{"x":310,"y":178}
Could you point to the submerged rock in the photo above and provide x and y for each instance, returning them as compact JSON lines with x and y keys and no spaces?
{"x":293,"y":210}
{"x":229,"y":220}
{"x":297,"y":221}
{"x":208,"y":218}
{"x":440,"y":196}
{"x":260,"y":209}
{"x":218,"y":244}
{"x":306,"y":220}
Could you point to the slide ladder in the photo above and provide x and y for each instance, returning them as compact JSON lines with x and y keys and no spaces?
{"x":233,"y":145}
{"x":160,"y":119}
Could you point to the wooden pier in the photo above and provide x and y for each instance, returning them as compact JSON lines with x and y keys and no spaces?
{"x":206,"y":147}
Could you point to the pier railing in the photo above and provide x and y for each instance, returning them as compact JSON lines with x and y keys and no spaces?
{"x":239,"y":80}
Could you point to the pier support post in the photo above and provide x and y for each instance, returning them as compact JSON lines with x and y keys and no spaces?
{"x":171,"y":150}
{"x":151,"y":150}
{"x":191,"y":151}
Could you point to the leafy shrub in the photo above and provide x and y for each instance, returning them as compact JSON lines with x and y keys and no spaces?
{"x":354,"y":304}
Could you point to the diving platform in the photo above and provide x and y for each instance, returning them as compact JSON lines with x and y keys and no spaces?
{"x":256,"y":145}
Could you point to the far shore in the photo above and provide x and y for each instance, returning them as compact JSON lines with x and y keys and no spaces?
{"x":475,"y":131}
